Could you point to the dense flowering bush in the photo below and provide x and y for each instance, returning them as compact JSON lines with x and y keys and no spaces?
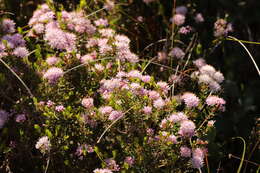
{"x":96,"y":107}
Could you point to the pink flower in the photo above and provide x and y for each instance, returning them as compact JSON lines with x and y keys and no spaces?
{"x":211,"y":123}
{"x":8,"y":26}
{"x":153,"y":95}
{"x":99,"y":67}
{"x":129,"y":160}
{"x":208,"y":69}
{"x":20,"y":118}
{"x":172,"y":139}
{"x":43,"y":144}
{"x":115,"y":115}
{"x":177,"y":53}
{"x":199,"y":62}
{"x":162,"y":56}
{"x":52,"y":60}
{"x":147,"y":109}
{"x":163,"y":124}
{"x":121,"y":74}
{"x":198,"y":152}
{"x":109,"y":5}
{"x":53,"y":74}
{"x":87,"y":102}
{"x":59,"y":108}
{"x":185,"y":30}
{"x":50,"y":103}
{"x":216,"y":101}
{"x":102,"y":171}
{"x":197,"y":162}
{"x":222,"y":28}
{"x":178,"y":19}
{"x":59,"y":39}
{"x":134,"y":74}
{"x":185,"y":151}
{"x":107,"y":32}
{"x":111,"y":164}
{"x":218,"y":76}
{"x":101,"y":22}
{"x":190,"y":100}
{"x":199,"y":18}
{"x":105,"y":110}
{"x":146,"y":78}
{"x":159,"y":103}
{"x":163,"y":86}
{"x":187,"y":128}
{"x":21,"y":52}
{"x":177,"y":118}
{"x":150,"y":131}
{"x":15,"y":40}
{"x":140,"y":18}
{"x":181,"y":10}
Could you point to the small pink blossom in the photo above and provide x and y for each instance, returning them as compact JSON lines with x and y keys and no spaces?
{"x":190,"y":100}
{"x":115,"y":115}
{"x":187,"y":128}
{"x":159,"y":103}
{"x":178,"y":19}
{"x":185,"y":151}
{"x":87,"y":102}
{"x":20,"y":118}
{"x":59,"y":108}
{"x":147,"y":109}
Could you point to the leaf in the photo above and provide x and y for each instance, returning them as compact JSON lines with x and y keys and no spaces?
{"x":37,"y":128}
{"x":48,"y":133}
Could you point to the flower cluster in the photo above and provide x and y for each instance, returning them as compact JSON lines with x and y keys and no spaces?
{"x":43,"y":144}
{"x":222,"y":28}
{"x":103,"y":103}
{"x":208,"y":75}
{"x":11,"y":44}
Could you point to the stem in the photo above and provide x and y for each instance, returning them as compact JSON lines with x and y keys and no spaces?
{"x":173,"y":25}
{"x":207,"y":163}
{"x":247,"y":161}
{"x":243,"y":154}
{"x":73,"y":68}
{"x":235,"y":39}
{"x":26,"y":87}
{"x":99,"y":139}
{"x":91,"y":14}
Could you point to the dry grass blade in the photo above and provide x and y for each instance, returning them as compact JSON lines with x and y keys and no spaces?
{"x":13,"y":72}
{"x":258,"y":71}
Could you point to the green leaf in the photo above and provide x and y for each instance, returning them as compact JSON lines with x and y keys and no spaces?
{"x":37,"y":128}
{"x":48,"y":133}
{"x":82,"y":4}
